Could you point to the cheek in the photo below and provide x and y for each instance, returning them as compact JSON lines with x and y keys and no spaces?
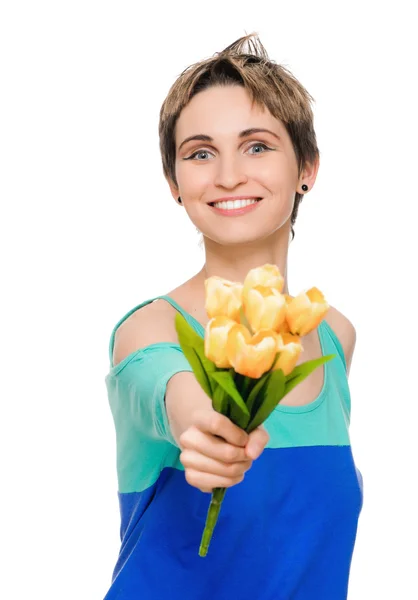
{"x":269,"y":176}
{"x":275,"y":175}
{"x":192,"y":179}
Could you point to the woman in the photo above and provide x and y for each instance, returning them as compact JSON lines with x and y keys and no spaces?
{"x":239,"y":152}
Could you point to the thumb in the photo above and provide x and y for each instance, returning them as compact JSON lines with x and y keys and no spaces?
{"x":256,"y":442}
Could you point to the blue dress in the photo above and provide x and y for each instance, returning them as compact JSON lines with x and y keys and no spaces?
{"x":286,"y":532}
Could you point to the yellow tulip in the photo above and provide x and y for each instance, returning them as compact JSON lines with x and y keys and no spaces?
{"x":306,"y":311}
{"x":284,"y":327}
{"x":265,"y":308}
{"x":251,"y":355}
{"x":290,"y":348}
{"x":223,"y":298}
{"x":216,"y":336}
{"x":267,"y":276}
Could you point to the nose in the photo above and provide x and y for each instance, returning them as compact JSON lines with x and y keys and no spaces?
{"x":230,"y":173}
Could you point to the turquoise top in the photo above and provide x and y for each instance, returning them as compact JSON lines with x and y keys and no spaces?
{"x":290,"y":526}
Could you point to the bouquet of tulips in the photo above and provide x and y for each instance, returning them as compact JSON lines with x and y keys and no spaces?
{"x":246,"y":362}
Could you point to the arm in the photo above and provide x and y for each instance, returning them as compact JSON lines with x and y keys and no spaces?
{"x":215,"y":452}
{"x":346,"y":333}
{"x":152,"y":324}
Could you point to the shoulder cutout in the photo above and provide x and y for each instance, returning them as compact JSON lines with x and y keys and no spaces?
{"x":151,"y":324}
{"x":345,"y":332}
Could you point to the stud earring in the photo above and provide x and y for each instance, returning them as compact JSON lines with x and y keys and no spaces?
{"x":305,"y":187}
{"x":179,"y":200}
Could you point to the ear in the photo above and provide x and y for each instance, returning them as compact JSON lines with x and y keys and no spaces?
{"x":309,"y":174}
{"x":173,"y":188}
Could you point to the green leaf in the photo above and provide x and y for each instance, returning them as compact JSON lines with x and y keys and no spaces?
{"x":257,"y":394}
{"x":246,"y":387}
{"x":192,"y":338}
{"x":226,"y":381}
{"x":238,"y":380}
{"x":236,"y":414}
{"x":186,"y":332}
{"x":208,"y":366}
{"x":220,"y":400}
{"x":192,"y":345}
{"x":200,"y":373}
{"x":273,"y":394}
{"x":302,"y":371}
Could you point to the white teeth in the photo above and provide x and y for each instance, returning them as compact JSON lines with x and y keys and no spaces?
{"x":231,"y":204}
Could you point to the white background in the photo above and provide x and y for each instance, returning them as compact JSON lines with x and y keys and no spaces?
{"x":89,"y":230}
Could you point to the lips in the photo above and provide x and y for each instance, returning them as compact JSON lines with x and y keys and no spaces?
{"x":232,"y":200}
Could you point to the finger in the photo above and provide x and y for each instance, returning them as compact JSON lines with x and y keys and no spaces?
{"x":207,"y":482}
{"x":217,"y":424}
{"x":199,"y":462}
{"x":211,"y":446}
{"x":257,"y":442}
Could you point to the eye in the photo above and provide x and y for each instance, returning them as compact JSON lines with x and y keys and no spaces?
{"x":261,"y":145}
{"x":195,"y":154}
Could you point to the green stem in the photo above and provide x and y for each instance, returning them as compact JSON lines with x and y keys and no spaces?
{"x":246,"y":387}
{"x":212,"y":516}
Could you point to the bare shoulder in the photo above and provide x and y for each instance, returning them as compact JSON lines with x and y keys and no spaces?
{"x":345,"y":332}
{"x":151,"y":324}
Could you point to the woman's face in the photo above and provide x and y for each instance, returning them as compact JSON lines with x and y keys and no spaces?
{"x":234,"y":162}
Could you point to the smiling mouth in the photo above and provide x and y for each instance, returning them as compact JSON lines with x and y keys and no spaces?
{"x":256,"y":199}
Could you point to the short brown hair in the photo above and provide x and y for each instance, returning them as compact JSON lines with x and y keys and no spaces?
{"x":268,"y":83}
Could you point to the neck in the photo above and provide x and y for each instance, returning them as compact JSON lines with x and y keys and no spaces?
{"x":233,"y":262}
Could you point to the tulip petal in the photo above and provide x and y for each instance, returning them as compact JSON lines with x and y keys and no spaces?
{"x":215,"y":341}
{"x":306,"y":311}
{"x":289,"y":348}
{"x":251,"y":355}
{"x":223,"y":298}
{"x":268,"y":275}
{"x":265,"y":308}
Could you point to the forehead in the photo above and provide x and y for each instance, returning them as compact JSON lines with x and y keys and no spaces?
{"x":224,"y":110}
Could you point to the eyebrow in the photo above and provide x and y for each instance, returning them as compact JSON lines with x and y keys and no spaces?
{"x":206,"y":138}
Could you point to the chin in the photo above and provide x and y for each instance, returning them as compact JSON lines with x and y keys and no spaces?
{"x":233,"y":237}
